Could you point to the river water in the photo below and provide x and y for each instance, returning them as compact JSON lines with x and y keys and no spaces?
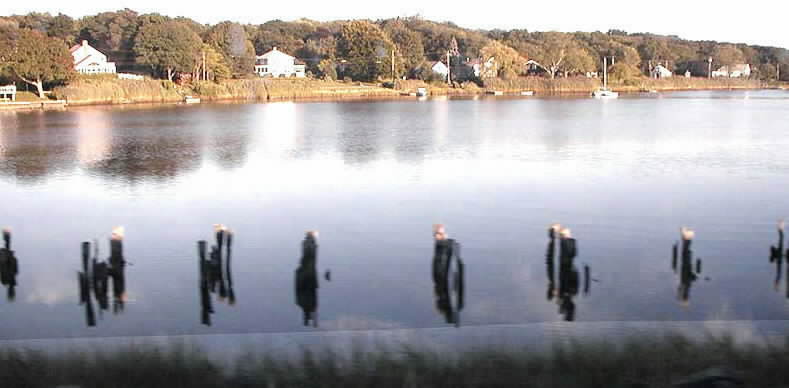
{"x":624,"y":175}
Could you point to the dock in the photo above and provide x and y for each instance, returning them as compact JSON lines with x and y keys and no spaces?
{"x":48,"y":104}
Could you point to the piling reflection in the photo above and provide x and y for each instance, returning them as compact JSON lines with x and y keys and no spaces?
{"x":448,"y":276}
{"x":777,"y":257}
{"x":96,"y":275}
{"x":683,"y":253}
{"x":9,"y":266}
{"x":306,"y":279}
{"x":215,"y":272}
{"x":569,"y":278}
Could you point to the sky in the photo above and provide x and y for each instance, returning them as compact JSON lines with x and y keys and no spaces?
{"x":763,"y":23}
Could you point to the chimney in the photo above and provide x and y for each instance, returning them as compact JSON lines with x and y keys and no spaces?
{"x":274,"y":49}
{"x":84,"y":43}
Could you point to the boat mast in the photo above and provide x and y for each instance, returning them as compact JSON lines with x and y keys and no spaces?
{"x":605,"y":73}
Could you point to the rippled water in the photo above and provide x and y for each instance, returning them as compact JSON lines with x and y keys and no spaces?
{"x":372,"y":177}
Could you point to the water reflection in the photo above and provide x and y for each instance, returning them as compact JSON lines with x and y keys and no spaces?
{"x":133,"y":159}
{"x":306,"y":279}
{"x":777,"y":256}
{"x":216,"y":272}
{"x":30,"y":148}
{"x":687,"y":274}
{"x":96,"y":274}
{"x":9,"y":266}
{"x":448,"y":276}
{"x":569,"y":279}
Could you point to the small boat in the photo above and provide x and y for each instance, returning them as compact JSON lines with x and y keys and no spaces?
{"x":527,"y":93}
{"x":605,"y":92}
{"x":191,"y":100}
{"x":495,"y":92}
{"x":421,"y":92}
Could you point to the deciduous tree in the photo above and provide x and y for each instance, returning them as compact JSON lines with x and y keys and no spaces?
{"x":509,"y":63}
{"x":37,"y":59}
{"x":728,"y":55}
{"x":231,"y":40}
{"x":366,"y":50}
{"x":551,"y":50}
{"x":168,"y":47}
{"x":409,"y":45}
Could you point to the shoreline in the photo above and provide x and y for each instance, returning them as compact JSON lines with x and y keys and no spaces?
{"x":326,"y":91}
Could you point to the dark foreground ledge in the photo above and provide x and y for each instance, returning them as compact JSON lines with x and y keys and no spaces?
{"x":603,"y":354}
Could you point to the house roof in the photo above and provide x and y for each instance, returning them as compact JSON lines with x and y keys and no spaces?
{"x":274,"y":50}
{"x":82,"y":60}
{"x":74,"y":48}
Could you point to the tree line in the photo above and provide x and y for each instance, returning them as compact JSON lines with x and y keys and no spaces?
{"x":34,"y":48}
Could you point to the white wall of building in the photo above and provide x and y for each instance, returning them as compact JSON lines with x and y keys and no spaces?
{"x":275,"y":63}
{"x":88,"y":60}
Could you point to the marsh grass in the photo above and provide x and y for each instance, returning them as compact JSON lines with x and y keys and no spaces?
{"x":106,"y":89}
{"x":543,"y":85}
{"x":290,"y":88}
{"x":109,"y":90}
{"x":683,"y":83}
{"x":657,"y":361}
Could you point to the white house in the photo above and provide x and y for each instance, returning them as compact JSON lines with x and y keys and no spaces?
{"x":440,"y":68}
{"x":660,"y":71}
{"x":734,"y":71}
{"x":483,"y":69}
{"x":275,"y":63}
{"x":88,"y":60}
{"x":8,"y":92}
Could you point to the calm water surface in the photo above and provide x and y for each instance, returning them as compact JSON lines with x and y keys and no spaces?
{"x":373,"y":177}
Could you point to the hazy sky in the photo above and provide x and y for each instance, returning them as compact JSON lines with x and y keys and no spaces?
{"x":763,"y":23}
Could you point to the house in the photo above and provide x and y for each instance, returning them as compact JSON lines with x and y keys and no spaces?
{"x":8,"y":92}
{"x":88,"y":60}
{"x":277,"y":64}
{"x":659,"y":72}
{"x":733,"y":71}
{"x":440,"y":68}
{"x":533,"y":67}
{"x":483,"y":69}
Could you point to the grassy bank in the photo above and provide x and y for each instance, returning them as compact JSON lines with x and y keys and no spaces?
{"x":542,"y":85}
{"x":108,"y":90}
{"x":640,"y":362}
{"x":682,"y":83}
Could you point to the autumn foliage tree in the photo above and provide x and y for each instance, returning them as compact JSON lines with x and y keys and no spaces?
{"x":36,"y":59}
{"x":551,"y":50}
{"x":508,"y":61}
{"x":365,"y":49}
{"x":409,"y":45}
{"x":168,"y":47}
{"x":231,"y":40}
